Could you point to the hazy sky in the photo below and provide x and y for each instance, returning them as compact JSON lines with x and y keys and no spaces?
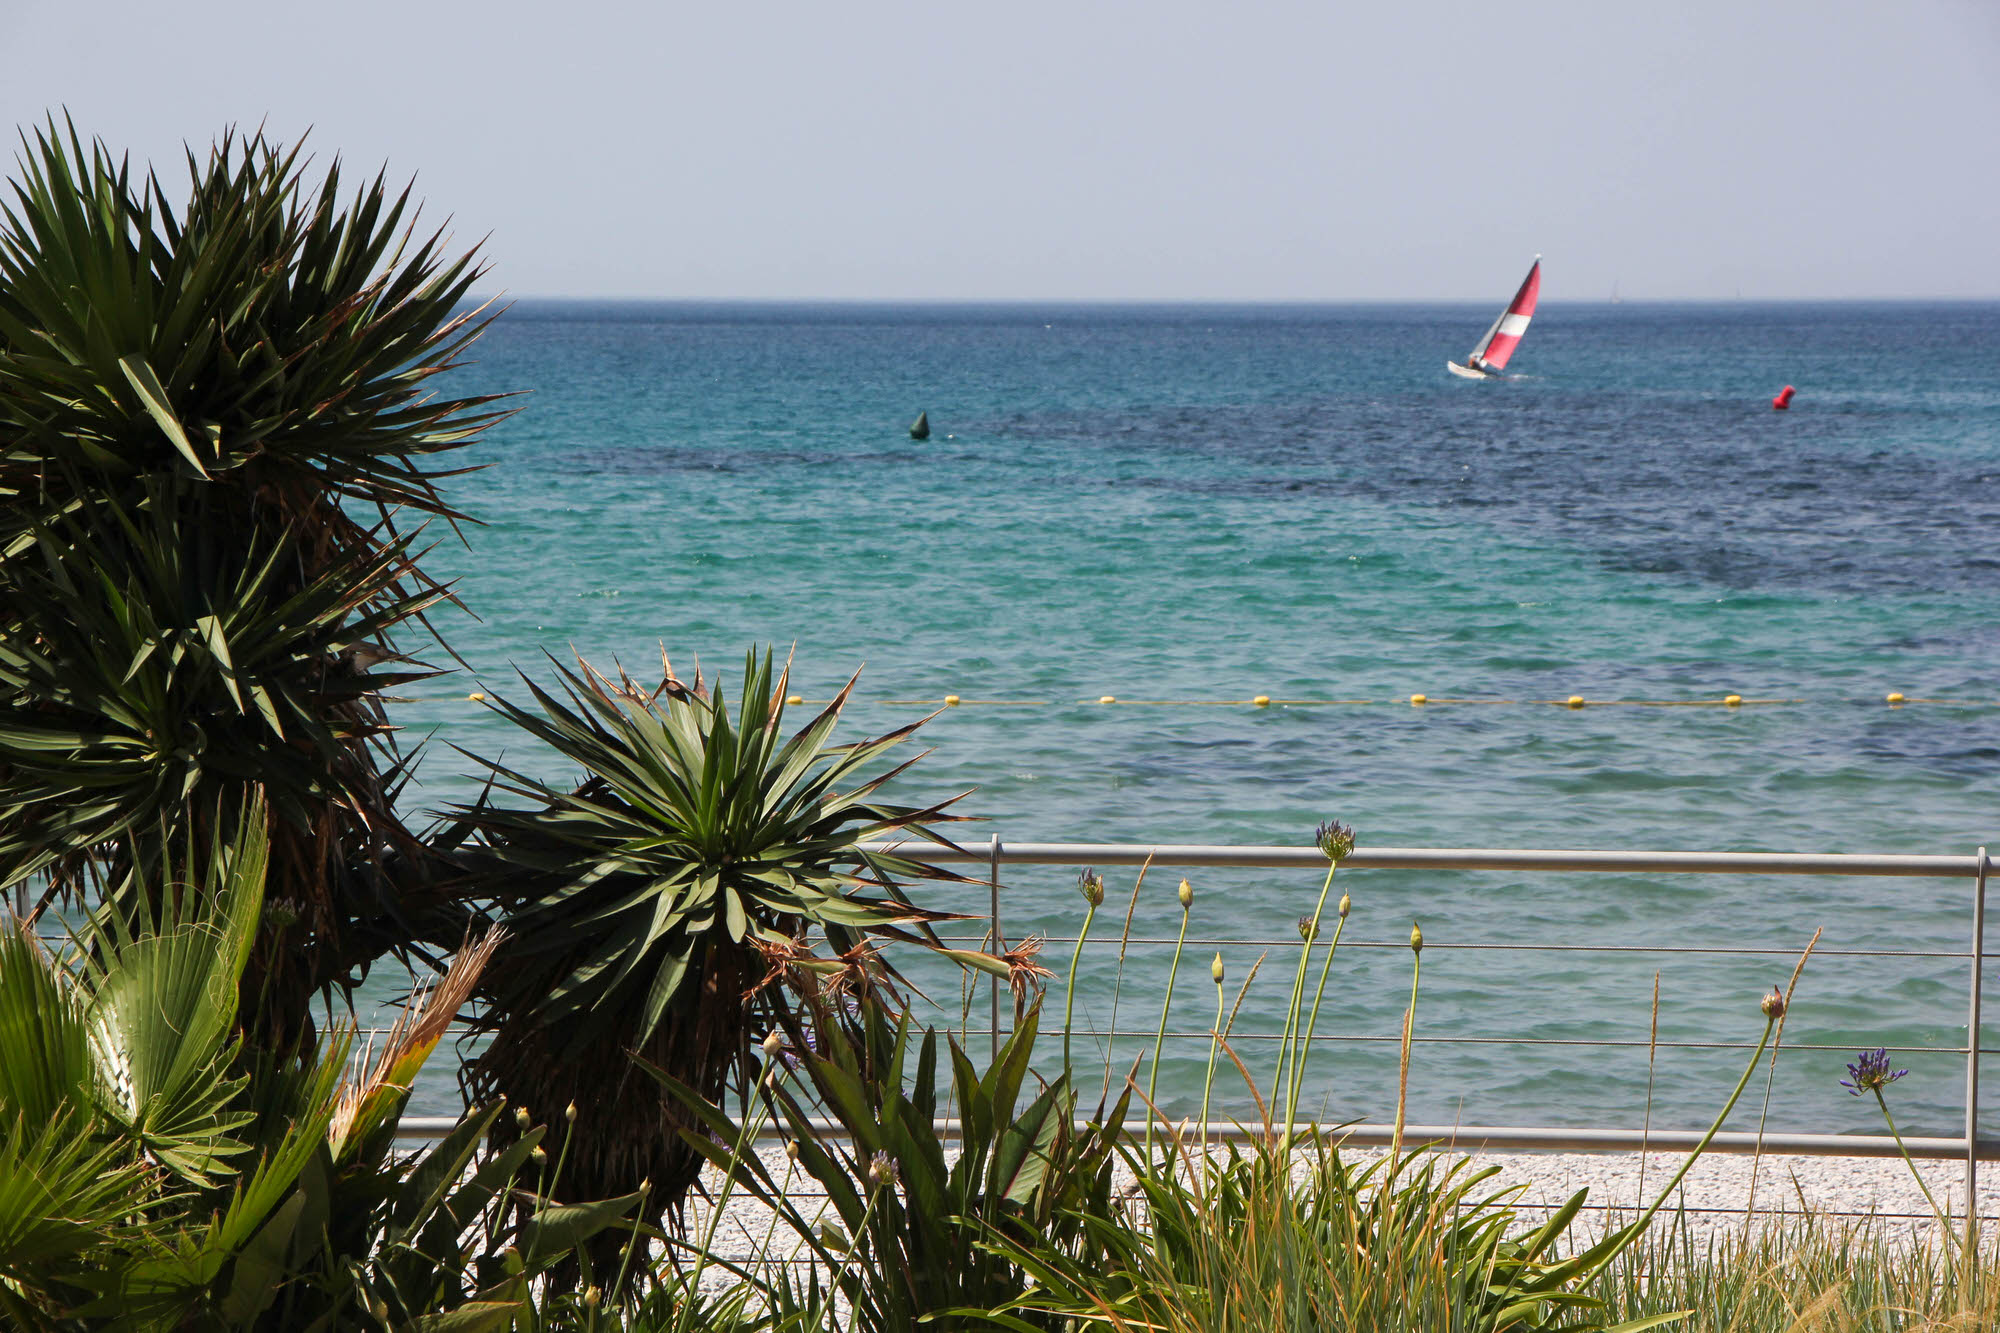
{"x":1072,"y":150}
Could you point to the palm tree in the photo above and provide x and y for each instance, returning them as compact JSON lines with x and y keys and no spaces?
{"x":215,"y":428}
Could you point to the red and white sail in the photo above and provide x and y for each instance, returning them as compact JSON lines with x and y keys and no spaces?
{"x":1505,"y":335}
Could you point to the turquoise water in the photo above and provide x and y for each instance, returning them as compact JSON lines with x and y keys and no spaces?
{"x":1211,"y":503}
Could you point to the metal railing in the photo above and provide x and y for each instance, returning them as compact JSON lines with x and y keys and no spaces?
{"x":1971,"y":869}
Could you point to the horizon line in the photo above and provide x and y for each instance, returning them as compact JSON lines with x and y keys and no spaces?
{"x":511,"y":296}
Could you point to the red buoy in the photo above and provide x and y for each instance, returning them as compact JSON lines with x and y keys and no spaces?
{"x":1783,"y":400}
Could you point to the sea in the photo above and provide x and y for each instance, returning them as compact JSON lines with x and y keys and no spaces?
{"x":1193,"y":506}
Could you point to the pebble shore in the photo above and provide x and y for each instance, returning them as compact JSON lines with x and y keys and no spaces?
{"x":1715,"y":1197}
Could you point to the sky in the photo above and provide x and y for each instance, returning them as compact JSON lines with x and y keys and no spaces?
{"x":1070,"y":150}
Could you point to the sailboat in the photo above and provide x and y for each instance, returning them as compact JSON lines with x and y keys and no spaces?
{"x":1489,"y":358}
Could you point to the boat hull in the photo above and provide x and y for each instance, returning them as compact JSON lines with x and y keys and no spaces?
{"x":1464,"y":371}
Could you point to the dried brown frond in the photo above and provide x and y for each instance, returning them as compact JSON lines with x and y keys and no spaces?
{"x":782,"y":957}
{"x":419,"y":1028}
{"x":862,"y":974}
{"x":673,"y":686}
{"x":1023,"y":972}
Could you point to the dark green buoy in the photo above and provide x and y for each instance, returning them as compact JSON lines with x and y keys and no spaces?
{"x":920,"y":429}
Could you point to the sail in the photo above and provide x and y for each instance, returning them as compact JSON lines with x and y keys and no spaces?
{"x":1501,"y":340}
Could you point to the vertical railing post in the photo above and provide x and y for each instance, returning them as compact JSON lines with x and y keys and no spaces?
{"x":999,"y":940}
{"x":1972,"y":1042}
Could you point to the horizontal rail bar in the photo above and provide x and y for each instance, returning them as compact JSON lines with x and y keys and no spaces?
{"x":1472,"y":1137}
{"x":1280,"y":941}
{"x":1439,"y":858}
{"x":1396,"y":1039}
{"x":1392,"y":1039}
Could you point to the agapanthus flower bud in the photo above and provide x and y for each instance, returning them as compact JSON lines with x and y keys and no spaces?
{"x":1091,"y":885}
{"x":569,"y":1114}
{"x":1187,"y":895}
{"x":593,"y":1298}
{"x":1416,"y":938}
{"x":1215,"y":969}
{"x":881,"y":1171}
{"x":1773,"y":1004}
{"x":1345,"y":903}
{"x":1336,"y":840}
{"x":792,"y":1149}
{"x":539,"y":1157}
{"x":522,"y":1120}
{"x":1308,"y":929}
{"x":773,"y":1043}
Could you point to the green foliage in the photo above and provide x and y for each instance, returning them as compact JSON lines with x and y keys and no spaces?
{"x":152,"y":1179}
{"x":1806,"y":1273}
{"x":263,"y":334}
{"x":184,"y":671}
{"x":670,"y":900}
{"x":691,"y":828}
{"x":118,"y":1050}
{"x":1246,"y":1240}
{"x":67,"y":1192}
{"x":135,"y":1031}
{"x":200,"y":404}
{"x":913,"y":1213}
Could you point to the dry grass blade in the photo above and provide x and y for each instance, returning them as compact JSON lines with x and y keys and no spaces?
{"x":1263,"y":1111}
{"x":1118,"y":984}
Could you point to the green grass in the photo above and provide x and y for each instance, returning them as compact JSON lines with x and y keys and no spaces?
{"x":1812,"y":1272}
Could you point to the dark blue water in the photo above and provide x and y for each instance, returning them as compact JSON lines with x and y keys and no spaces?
{"x":1211,"y":503}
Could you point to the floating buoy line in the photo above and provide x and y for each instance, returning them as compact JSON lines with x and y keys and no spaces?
{"x":1572,"y":702}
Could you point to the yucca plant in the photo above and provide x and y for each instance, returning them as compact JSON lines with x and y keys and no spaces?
{"x":215,"y":427}
{"x":702,"y":870}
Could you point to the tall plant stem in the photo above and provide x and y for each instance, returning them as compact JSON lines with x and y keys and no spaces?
{"x":1160,"y":1040}
{"x":853,"y":1252}
{"x":1646,"y":1219}
{"x":1278,"y":1084}
{"x":1916,"y":1175}
{"x":1214,"y":1043}
{"x":745,"y":1136}
{"x":1652,"y":1054}
{"x":1118,"y":980}
{"x":1304,"y":1051}
{"x":632,"y":1244}
{"x":1069,"y":1000}
{"x":1403,"y":1067}
{"x":1770,"y":1078}
{"x":546,"y":1187}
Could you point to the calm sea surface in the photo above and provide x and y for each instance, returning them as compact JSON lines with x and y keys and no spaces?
{"x":1210,"y":503}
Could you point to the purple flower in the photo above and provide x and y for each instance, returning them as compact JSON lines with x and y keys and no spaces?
{"x":1871,"y":1072}
{"x":1335,"y":839}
